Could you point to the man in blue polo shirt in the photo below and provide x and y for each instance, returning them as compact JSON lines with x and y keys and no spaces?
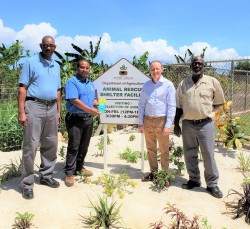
{"x":39,"y":100}
{"x":81,"y":106}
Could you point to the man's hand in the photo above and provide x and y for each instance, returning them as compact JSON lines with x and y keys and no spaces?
{"x":95,"y":112}
{"x":140,"y":128}
{"x":177,"y":130}
{"x":166,"y":131}
{"x":59,"y":119}
{"x":22,"y":120}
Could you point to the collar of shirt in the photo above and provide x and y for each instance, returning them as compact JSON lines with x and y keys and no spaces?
{"x":159,"y":81}
{"x":86,"y":80}
{"x":48,"y":62}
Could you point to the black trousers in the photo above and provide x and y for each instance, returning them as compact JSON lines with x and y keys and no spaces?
{"x":79,"y":135}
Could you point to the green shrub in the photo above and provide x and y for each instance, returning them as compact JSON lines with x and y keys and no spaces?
{"x":11,"y":134}
{"x":23,"y":221}
{"x":107,"y":215}
{"x":131,"y":156}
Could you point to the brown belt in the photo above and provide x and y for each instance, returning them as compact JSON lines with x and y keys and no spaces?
{"x":154,"y":117}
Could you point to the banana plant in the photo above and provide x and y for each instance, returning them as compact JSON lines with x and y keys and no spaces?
{"x":84,"y":53}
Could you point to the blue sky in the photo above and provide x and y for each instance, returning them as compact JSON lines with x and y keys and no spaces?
{"x":131,"y":27}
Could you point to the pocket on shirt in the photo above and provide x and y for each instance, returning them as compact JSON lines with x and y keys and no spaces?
{"x":187,"y":97}
{"x":205,"y":97}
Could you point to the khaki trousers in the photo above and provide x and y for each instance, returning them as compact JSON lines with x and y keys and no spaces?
{"x":153,"y":131}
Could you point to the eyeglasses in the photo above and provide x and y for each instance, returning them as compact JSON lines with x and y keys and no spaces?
{"x":197,"y":63}
{"x":48,"y":46}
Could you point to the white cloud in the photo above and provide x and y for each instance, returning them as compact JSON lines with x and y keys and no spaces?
{"x":211,"y":53}
{"x":110,"y":51}
{"x":7,"y":35}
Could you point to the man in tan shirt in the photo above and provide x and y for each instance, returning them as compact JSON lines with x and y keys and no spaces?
{"x":197,"y":98}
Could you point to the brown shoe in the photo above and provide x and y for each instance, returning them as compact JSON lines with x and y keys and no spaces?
{"x":149,"y":177}
{"x":69,"y":180}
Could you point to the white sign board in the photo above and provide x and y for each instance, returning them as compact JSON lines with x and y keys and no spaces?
{"x":120,"y":86}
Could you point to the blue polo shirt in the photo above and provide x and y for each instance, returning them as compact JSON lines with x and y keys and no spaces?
{"x":76,"y":88}
{"x":41,"y":77}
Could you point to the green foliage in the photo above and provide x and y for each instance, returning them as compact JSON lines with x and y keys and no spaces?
{"x":11,"y":170}
{"x":9,"y":67}
{"x":83,"y":177}
{"x":246,"y":118}
{"x":243,"y":65}
{"x":107,"y":215}
{"x":191,"y":55}
{"x":131,"y":137}
{"x":204,"y":224}
{"x":68,"y":66}
{"x":176,"y":156}
{"x":235,"y":136}
{"x":11,"y":134}
{"x":244,"y":163}
{"x":23,"y":221}
{"x":162,"y":178}
{"x":230,"y":128}
{"x":100,"y":143}
{"x":62,"y":152}
{"x":246,"y":181}
{"x":113,"y":184}
{"x":141,"y":63}
{"x":131,"y":156}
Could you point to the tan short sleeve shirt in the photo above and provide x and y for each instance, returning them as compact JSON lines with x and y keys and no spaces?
{"x":197,"y":100}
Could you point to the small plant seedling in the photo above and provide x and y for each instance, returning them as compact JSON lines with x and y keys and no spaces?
{"x":83,"y":177}
{"x":107,"y":215}
{"x":113,"y":184}
{"x":162,"y":178}
{"x":131,"y":156}
{"x":176,"y":156}
{"x":23,"y":221}
{"x":62,"y":152}
{"x":100,"y":144}
{"x":131,"y":137}
{"x":10,"y":170}
{"x":244,"y":163}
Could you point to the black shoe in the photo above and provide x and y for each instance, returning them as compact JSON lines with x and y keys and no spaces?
{"x":149,"y":177}
{"x":191,"y":184}
{"x":28,"y":193}
{"x":49,"y":182}
{"x":215,"y":191}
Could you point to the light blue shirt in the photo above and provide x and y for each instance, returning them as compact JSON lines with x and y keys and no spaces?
{"x":158,"y":100}
{"x":76,"y":88}
{"x":41,"y":77}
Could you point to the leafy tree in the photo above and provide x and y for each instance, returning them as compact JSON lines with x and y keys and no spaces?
{"x":243,"y":65}
{"x":84,"y":53}
{"x":180,"y":59}
{"x":10,"y":67}
{"x":68,"y":65}
{"x":141,"y":63}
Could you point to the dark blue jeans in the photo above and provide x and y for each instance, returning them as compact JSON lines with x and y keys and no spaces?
{"x":79,"y":135}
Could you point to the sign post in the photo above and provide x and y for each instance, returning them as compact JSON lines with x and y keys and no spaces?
{"x":120,"y":86}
